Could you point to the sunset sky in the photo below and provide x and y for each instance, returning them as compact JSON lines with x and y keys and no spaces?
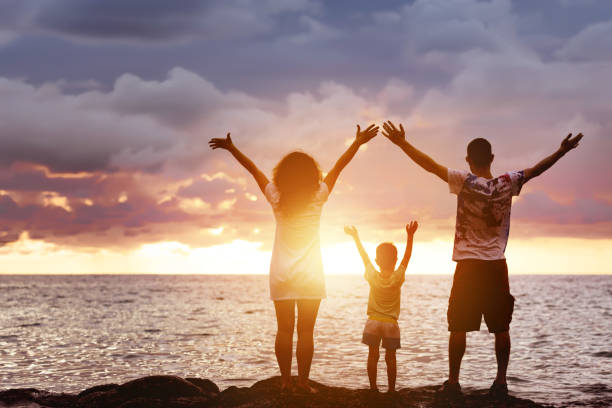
{"x":106,"y":108}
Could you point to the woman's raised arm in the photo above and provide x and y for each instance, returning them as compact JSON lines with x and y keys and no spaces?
{"x":227,"y":144}
{"x":361,"y":137}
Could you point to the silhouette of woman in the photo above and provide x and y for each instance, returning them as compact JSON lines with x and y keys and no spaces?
{"x":296,"y":195}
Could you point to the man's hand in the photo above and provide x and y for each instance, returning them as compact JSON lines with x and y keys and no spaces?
{"x":411,"y":227}
{"x":395,"y":135}
{"x":365,"y":136}
{"x":570,"y":143}
{"x":221,"y":143}
{"x":350,"y":230}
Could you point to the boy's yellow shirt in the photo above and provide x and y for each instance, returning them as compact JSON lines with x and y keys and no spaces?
{"x":385,"y":293}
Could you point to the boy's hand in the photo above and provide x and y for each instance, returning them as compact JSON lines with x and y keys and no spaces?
{"x":411,"y":227}
{"x":365,"y":136}
{"x":350,"y":230}
{"x":220,"y":143}
{"x":570,"y":143}
{"x":395,"y":135}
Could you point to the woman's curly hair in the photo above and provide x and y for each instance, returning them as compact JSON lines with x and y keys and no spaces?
{"x":297,"y":177}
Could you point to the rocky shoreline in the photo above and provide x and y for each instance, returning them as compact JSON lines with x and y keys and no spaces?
{"x":174,"y":392}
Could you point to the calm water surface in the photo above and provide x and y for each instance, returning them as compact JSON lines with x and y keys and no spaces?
{"x":67,"y":333}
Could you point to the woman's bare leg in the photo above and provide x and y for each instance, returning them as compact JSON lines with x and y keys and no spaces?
{"x":307,"y":316}
{"x":283,"y":346}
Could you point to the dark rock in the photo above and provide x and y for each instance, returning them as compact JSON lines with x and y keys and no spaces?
{"x":142,"y":402}
{"x":204,"y":384}
{"x":98,"y":388}
{"x":192,"y":402}
{"x":18,"y":395}
{"x":100,"y":399}
{"x":175,"y":392}
{"x":49,"y":399}
{"x":159,"y":386}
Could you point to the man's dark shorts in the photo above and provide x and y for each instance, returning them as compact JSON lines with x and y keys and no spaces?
{"x":480,"y":288}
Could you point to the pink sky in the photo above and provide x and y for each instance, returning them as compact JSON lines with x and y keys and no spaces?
{"x":115,"y":172}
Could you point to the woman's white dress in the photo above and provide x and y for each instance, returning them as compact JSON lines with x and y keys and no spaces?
{"x":296,"y":269}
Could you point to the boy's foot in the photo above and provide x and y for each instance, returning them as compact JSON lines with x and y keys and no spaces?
{"x":498,"y":390}
{"x":449,"y":391}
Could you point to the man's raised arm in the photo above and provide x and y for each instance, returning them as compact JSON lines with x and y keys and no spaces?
{"x":398,"y":137}
{"x":567,"y":144}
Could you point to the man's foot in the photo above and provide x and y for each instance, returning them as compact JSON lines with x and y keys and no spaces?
{"x":449,"y":391}
{"x":498,"y":390}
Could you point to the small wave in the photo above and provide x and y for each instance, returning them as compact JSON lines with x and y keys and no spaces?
{"x":195,"y":334}
{"x":124,"y":301}
{"x":152,"y":330}
{"x":517,"y":379}
{"x":253,"y":311}
{"x":37,"y":324}
{"x":597,"y":389}
{"x":607,"y":354}
{"x":9,"y":337}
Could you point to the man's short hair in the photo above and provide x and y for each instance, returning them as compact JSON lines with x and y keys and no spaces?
{"x":386,"y":251}
{"x":479,"y":152}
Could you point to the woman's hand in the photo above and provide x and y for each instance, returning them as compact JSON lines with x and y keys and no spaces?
{"x":411,"y":227}
{"x":221,"y":143}
{"x":365,"y":136}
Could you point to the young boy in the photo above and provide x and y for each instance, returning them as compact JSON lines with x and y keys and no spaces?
{"x":383,"y":302}
{"x":480,"y":285}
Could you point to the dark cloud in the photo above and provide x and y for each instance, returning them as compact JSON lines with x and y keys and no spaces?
{"x":147,"y":20}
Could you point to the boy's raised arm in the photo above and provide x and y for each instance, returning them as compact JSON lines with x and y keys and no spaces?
{"x":360,"y":138}
{"x":411,"y":228}
{"x":567,"y":144}
{"x":227,"y":144}
{"x":398,"y":137}
{"x":352,"y":231}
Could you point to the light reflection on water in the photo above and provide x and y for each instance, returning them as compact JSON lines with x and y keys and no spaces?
{"x":67,"y":333}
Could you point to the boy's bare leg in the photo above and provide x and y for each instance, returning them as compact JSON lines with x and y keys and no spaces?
{"x":502,"y":353}
{"x":390,"y":359}
{"x":456,"y":349}
{"x":307,"y":317}
{"x":283,"y":346}
{"x":373,"y":356}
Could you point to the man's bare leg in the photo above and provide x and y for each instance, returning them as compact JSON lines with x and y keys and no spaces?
{"x":456,"y":349}
{"x":502,"y":353}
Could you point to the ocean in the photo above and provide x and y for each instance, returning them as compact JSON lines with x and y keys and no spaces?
{"x":68,"y":333}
